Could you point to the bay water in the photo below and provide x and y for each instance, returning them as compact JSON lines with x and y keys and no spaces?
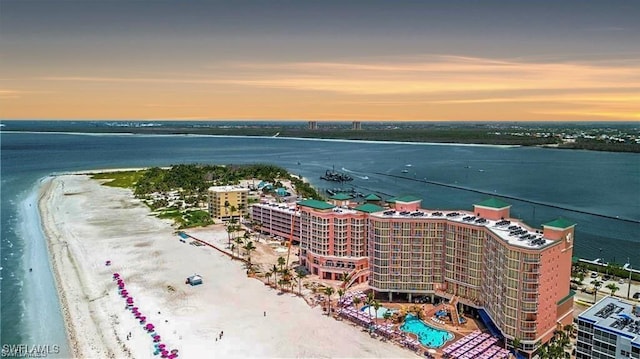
{"x":600,"y":191}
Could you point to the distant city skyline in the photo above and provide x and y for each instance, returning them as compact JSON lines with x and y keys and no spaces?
{"x":329,"y":60}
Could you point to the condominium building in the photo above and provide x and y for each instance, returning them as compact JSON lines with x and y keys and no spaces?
{"x":277,"y":219}
{"x":333,"y":239}
{"x":610,"y":329}
{"x":226,"y":202}
{"x":516,"y":277}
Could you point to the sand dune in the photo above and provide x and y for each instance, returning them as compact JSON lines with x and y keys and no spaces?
{"x":88,"y":224}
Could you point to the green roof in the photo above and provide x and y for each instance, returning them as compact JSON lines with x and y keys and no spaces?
{"x":315,"y":204}
{"x":406,"y":199}
{"x":493,"y":203}
{"x":369,"y":208}
{"x":372,"y":197}
{"x":341,"y":196}
{"x":569,"y":296}
{"x":560,"y":223}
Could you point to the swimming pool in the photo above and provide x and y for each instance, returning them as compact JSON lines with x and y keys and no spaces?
{"x":429,"y":336}
{"x":378,"y":314}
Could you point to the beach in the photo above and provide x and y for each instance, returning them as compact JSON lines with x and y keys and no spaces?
{"x":88,"y":224}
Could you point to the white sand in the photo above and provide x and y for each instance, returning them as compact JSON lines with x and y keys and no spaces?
{"x":88,"y":224}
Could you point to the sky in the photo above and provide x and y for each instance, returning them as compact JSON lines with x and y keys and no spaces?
{"x":569,"y":60}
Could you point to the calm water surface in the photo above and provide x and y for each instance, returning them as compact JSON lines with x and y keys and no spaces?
{"x":595,"y":182}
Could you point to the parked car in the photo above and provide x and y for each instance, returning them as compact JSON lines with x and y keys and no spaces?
{"x":594,"y":275}
{"x":636,"y":295}
{"x":590,"y":290}
{"x":620,"y":281}
{"x":606,"y":277}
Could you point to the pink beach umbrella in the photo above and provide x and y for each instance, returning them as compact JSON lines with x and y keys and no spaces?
{"x":135,"y":309}
{"x":116,"y":275}
{"x":130,"y":300}
{"x":149,"y":327}
{"x":161,"y":346}
{"x":143,"y":319}
{"x":138,"y":315}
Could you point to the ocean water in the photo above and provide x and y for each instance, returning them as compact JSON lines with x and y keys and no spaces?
{"x":599,"y":191}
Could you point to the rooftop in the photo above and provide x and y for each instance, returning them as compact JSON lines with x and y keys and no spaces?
{"x":315,"y":204}
{"x":341,"y":196}
{"x":228,"y":189}
{"x":405,"y":199}
{"x":511,"y":231}
{"x":560,"y":223}
{"x":493,"y":203}
{"x":369,"y":208}
{"x":372,"y":197}
{"x":617,"y":316}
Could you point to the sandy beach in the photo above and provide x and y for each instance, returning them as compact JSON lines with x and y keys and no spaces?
{"x":88,"y":224}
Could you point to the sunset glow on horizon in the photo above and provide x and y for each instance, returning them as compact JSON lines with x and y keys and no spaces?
{"x":213,"y":60}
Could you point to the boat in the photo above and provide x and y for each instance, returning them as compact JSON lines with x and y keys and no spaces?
{"x":336,"y":176}
{"x":405,"y":171}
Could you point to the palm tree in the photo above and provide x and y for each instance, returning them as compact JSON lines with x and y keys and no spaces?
{"x":376,"y":306}
{"x":329,"y":291}
{"x":340,"y":293}
{"x":238,"y":241}
{"x":274,"y":270}
{"x":268,"y":276}
{"x":369,"y":301}
{"x":233,"y":210}
{"x":241,"y":207}
{"x":516,"y":344}
{"x":345,"y":279}
{"x":281,"y":262}
{"x":226,"y":208}
{"x":596,"y":284}
{"x":357,"y":301}
{"x":613,"y":288}
{"x":248,"y":248}
{"x":387,"y":315}
{"x":286,"y":275}
{"x":300,"y":275}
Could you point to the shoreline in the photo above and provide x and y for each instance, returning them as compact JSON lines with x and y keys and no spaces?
{"x":86,"y":224}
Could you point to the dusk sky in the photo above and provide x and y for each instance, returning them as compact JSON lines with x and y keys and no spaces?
{"x":337,"y":60}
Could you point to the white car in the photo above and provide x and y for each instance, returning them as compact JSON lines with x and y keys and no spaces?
{"x":620,"y":281}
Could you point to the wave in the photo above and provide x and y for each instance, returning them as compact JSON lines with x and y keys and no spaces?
{"x":40,"y":300}
{"x":354,"y":172}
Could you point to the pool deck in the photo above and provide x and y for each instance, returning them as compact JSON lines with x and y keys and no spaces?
{"x":458,"y":331}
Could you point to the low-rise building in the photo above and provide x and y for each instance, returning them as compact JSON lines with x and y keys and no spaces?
{"x":227,"y":202}
{"x":610,"y":329}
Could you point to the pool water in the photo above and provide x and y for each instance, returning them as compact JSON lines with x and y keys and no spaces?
{"x":372,"y":311}
{"x":429,"y":336}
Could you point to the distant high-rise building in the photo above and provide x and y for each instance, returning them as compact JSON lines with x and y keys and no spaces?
{"x":356,"y":125}
{"x":313,"y":125}
{"x":610,"y":329}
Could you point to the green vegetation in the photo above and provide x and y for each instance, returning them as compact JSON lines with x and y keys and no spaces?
{"x":123,"y":179}
{"x":613,"y":269}
{"x":193,"y":180}
{"x":186,"y":218}
{"x":180,"y":191}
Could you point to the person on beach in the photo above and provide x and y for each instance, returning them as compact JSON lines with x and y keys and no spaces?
{"x":265,"y":314}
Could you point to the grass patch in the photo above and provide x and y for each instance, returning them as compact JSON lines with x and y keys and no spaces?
{"x":124,"y":179}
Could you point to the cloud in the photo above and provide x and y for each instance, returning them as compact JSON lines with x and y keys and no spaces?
{"x":428,"y":81}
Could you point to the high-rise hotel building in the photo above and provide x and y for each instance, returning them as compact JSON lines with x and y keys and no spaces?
{"x":515,"y":276}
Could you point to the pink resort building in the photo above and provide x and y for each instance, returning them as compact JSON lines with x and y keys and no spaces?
{"x":516,"y":278}
{"x":281,"y":220}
